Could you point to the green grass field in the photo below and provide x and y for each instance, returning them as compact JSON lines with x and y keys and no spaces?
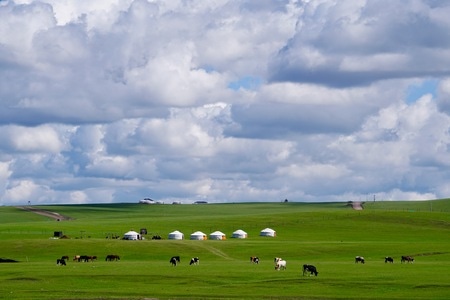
{"x":327,"y":235}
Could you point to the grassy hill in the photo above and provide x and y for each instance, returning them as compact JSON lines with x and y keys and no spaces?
{"x":328,"y":235}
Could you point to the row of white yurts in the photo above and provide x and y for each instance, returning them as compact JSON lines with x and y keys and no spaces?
{"x":218,"y":235}
{"x":198,"y":235}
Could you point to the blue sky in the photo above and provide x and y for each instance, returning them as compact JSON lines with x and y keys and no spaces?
{"x":425,"y":87}
{"x":223,"y":101}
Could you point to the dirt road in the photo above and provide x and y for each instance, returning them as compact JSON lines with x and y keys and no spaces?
{"x":54,"y":215}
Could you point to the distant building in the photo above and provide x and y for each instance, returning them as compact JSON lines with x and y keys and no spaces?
{"x":132,"y":235}
{"x":198,"y":235}
{"x":268,"y":232}
{"x":217,"y":235}
{"x":239,"y":234}
{"x":176,"y":235}
{"x":150,"y":201}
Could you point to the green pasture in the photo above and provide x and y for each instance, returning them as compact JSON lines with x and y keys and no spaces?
{"x":327,"y":235}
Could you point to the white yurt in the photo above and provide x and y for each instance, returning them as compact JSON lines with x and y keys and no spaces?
{"x":176,"y":235}
{"x":268,"y":232}
{"x":131,"y":235}
{"x":217,"y":235}
{"x":239,"y":234}
{"x":198,"y":235}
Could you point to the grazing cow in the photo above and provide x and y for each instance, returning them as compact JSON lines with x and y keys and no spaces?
{"x":86,"y":258}
{"x":388,"y":259}
{"x":194,"y":261}
{"x":174,"y":260}
{"x":60,"y":262}
{"x":311,"y":269}
{"x":77,"y":258}
{"x":112,"y":257}
{"x":65,"y":257}
{"x":280,"y":265}
{"x":156,"y":237}
{"x":359,"y":259}
{"x":407,"y":259}
{"x":254,"y":259}
{"x":83,"y":258}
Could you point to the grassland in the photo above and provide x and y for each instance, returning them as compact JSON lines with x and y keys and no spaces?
{"x":328,"y":235}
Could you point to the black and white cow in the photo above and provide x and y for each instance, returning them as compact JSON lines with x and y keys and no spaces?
{"x":194,"y":261}
{"x":61,"y":262}
{"x":254,"y":259}
{"x":359,"y":259}
{"x":174,"y":260}
{"x":309,"y":269}
{"x":388,"y":259}
{"x":280,"y":264}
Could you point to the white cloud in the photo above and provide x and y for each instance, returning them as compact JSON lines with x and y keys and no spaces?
{"x":21,"y":192}
{"x":78,"y":197}
{"x":113,"y":101}
{"x":340,"y":43}
{"x":32,"y":139}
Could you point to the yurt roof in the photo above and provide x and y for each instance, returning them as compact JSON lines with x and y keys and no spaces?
{"x":131,"y":233}
{"x":176,"y":232}
{"x":217,"y":233}
{"x":240,"y":231}
{"x":268,"y":230}
{"x":198,"y":233}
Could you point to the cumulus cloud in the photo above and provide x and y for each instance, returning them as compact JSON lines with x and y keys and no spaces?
{"x":343,"y":44}
{"x":43,"y":139}
{"x":224,"y":101}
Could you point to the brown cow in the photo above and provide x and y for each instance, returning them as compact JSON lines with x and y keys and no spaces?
{"x":407,"y":259}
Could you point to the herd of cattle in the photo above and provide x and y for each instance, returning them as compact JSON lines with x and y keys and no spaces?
{"x":280,"y":264}
{"x":387,"y":259}
{"x":175,"y":260}
{"x":85,"y":258}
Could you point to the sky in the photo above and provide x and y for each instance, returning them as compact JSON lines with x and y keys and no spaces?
{"x":112,"y":101}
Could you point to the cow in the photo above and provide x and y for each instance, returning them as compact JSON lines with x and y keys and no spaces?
{"x":280,"y":265}
{"x":60,"y":262}
{"x":77,"y":258}
{"x":112,"y":257}
{"x":86,"y":258}
{"x":407,"y":259}
{"x":359,"y":259}
{"x":83,"y":258}
{"x":65,"y":257}
{"x":194,"y":261}
{"x":254,"y":259}
{"x":174,"y":260}
{"x":388,"y":259}
{"x":311,"y":269}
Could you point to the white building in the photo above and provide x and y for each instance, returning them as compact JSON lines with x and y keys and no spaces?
{"x":217,"y":235}
{"x":268,"y":232}
{"x":240,"y":234}
{"x":198,"y":235}
{"x":131,"y":235}
{"x":176,"y":235}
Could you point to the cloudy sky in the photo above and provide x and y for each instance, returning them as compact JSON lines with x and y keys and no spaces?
{"x":224,"y":101}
